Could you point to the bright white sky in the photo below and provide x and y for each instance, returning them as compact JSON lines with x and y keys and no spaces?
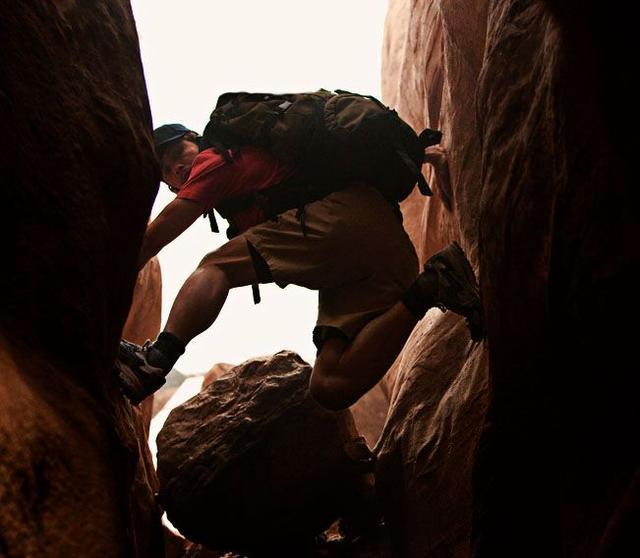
{"x":194,"y":50}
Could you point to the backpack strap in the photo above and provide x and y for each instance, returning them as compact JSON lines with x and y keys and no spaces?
{"x":292,"y":193}
{"x":427,"y":138}
{"x":213,"y":223}
{"x":423,"y":185}
{"x":203,"y":144}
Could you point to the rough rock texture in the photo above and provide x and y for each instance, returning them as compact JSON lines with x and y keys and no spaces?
{"x":76,"y":158}
{"x":425,"y":455}
{"x":217,"y":370}
{"x":535,"y":104}
{"x":143,"y":321}
{"x":252,"y":462}
{"x":370,"y":413}
{"x":431,"y":59}
{"x":77,"y":155}
{"x":559,"y":271}
{"x":160,"y":400}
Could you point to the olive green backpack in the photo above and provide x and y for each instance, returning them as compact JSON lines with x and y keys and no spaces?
{"x":330,"y":138}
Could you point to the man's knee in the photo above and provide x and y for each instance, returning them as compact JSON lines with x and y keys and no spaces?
{"x":327,"y":386}
{"x":324,"y":392}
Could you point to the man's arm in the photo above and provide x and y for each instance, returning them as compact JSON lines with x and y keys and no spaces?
{"x":174,"y":219}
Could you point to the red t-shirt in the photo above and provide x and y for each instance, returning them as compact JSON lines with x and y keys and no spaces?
{"x":213,"y":181}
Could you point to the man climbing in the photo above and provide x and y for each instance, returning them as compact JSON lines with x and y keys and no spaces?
{"x":349,"y":245}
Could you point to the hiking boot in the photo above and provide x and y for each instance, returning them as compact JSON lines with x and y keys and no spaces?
{"x":457,"y":289}
{"x":138,"y":378}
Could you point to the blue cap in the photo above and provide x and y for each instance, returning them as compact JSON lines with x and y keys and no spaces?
{"x":168,"y":133}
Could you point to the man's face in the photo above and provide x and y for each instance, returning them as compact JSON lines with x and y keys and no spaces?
{"x":176,"y":173}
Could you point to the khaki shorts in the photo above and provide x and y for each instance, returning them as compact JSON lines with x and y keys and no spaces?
{"x":355,"y":253}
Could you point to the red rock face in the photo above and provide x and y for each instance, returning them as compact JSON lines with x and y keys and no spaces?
{"x":370,"y":413}
{"x":559,"y":270}
{"x":432,"y":57}
{"x":79,"y":177}
{"x":143,"y":321}
{"x":426,"y":450}
{"x":217,"y":370}
{"x":534,"y":102}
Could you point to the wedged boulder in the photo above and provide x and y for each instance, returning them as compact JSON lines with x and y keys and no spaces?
{"x":252,"y":462}
{"x":217,"y":370}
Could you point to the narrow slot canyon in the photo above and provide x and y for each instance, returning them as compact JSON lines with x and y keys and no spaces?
{"x":523,"y":444}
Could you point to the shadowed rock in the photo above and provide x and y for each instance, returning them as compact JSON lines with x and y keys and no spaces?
{"x":559,"y":457}
{"x":79,"y":176}
{"x":369,"y":412}
{"x":540,"y":125}
{"x":252,"y":462}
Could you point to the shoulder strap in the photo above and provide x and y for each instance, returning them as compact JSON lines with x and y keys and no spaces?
{"x":423,"y":185}
{"x":292,"y":193}
{"x":224,"y":151}
{"x":213,"y":223}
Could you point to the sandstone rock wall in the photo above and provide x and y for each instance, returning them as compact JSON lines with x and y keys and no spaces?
{"x":539,"y":121}
{"x":559,"y":266}
{"x":78,"y":178}
{"x":143,"y":320}
{"x":431,"y":60}
{"x":370,"y":413}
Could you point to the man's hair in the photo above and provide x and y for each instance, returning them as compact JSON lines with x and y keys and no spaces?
{"x":169,"y":152}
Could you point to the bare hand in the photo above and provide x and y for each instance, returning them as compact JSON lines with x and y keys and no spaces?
{"x":437,"y":157}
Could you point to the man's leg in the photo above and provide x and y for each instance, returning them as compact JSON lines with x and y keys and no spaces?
{"x":344,"y":372}
{"x":142,"y":370}
{"x":203,"y":294}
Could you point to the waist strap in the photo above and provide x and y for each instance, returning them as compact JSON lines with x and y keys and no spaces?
{"x":292,"y":193}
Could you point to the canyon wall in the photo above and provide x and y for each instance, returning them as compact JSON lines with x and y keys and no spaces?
{"x":432,"y":57}
{"x":522,"y":445}
{"x":78,"y":178}
{"x":559,"y":263}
